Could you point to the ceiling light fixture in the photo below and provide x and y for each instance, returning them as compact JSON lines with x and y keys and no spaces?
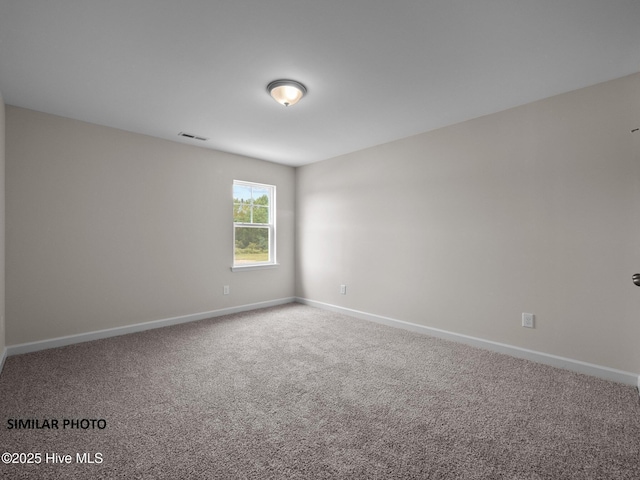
{"x":286,"y":92}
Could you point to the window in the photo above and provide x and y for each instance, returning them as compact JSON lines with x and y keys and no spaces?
{"x":254,"y":224}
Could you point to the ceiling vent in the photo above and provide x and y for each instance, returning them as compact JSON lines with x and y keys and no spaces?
{"x":192,"y":136}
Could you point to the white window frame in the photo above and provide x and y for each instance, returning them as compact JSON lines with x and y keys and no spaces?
{"x":271,"y":263}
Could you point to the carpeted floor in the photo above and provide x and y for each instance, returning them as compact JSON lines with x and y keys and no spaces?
{"x":293,"y":392}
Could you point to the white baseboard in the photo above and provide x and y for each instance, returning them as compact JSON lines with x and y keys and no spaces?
{"x":138,"y":327}
{"x":606,"y":373}
{"x":3,"y":356}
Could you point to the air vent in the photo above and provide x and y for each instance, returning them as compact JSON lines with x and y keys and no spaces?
{"x":192,"y":136}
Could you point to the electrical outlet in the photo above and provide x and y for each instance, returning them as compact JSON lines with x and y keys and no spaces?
{"x":343,"y":289}
{"x":226,"y":290}
{"x":527,"y":320}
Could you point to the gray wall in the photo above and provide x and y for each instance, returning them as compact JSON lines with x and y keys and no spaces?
{"x":2,"y":222}
{"x":107,"y":228}
{"x":535,"y":209}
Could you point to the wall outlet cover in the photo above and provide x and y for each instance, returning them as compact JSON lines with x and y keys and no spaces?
{"x":527,"y":320}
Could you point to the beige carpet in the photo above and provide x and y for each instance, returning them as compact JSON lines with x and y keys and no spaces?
{"x":295,"y":392}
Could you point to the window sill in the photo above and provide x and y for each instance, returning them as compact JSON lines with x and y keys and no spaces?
{"x":245,"y":268}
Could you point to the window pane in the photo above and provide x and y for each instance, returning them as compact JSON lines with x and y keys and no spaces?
{"x":260,"y":196}
{"x":241,"y":212}
{"x":252,"y":245}
{"x":241,"y":193}
{"x":260,"y":214}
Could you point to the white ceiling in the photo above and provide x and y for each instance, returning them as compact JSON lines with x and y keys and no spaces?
{"x":376,"y":70}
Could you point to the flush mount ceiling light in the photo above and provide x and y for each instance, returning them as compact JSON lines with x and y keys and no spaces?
{"x":286,"y":92}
